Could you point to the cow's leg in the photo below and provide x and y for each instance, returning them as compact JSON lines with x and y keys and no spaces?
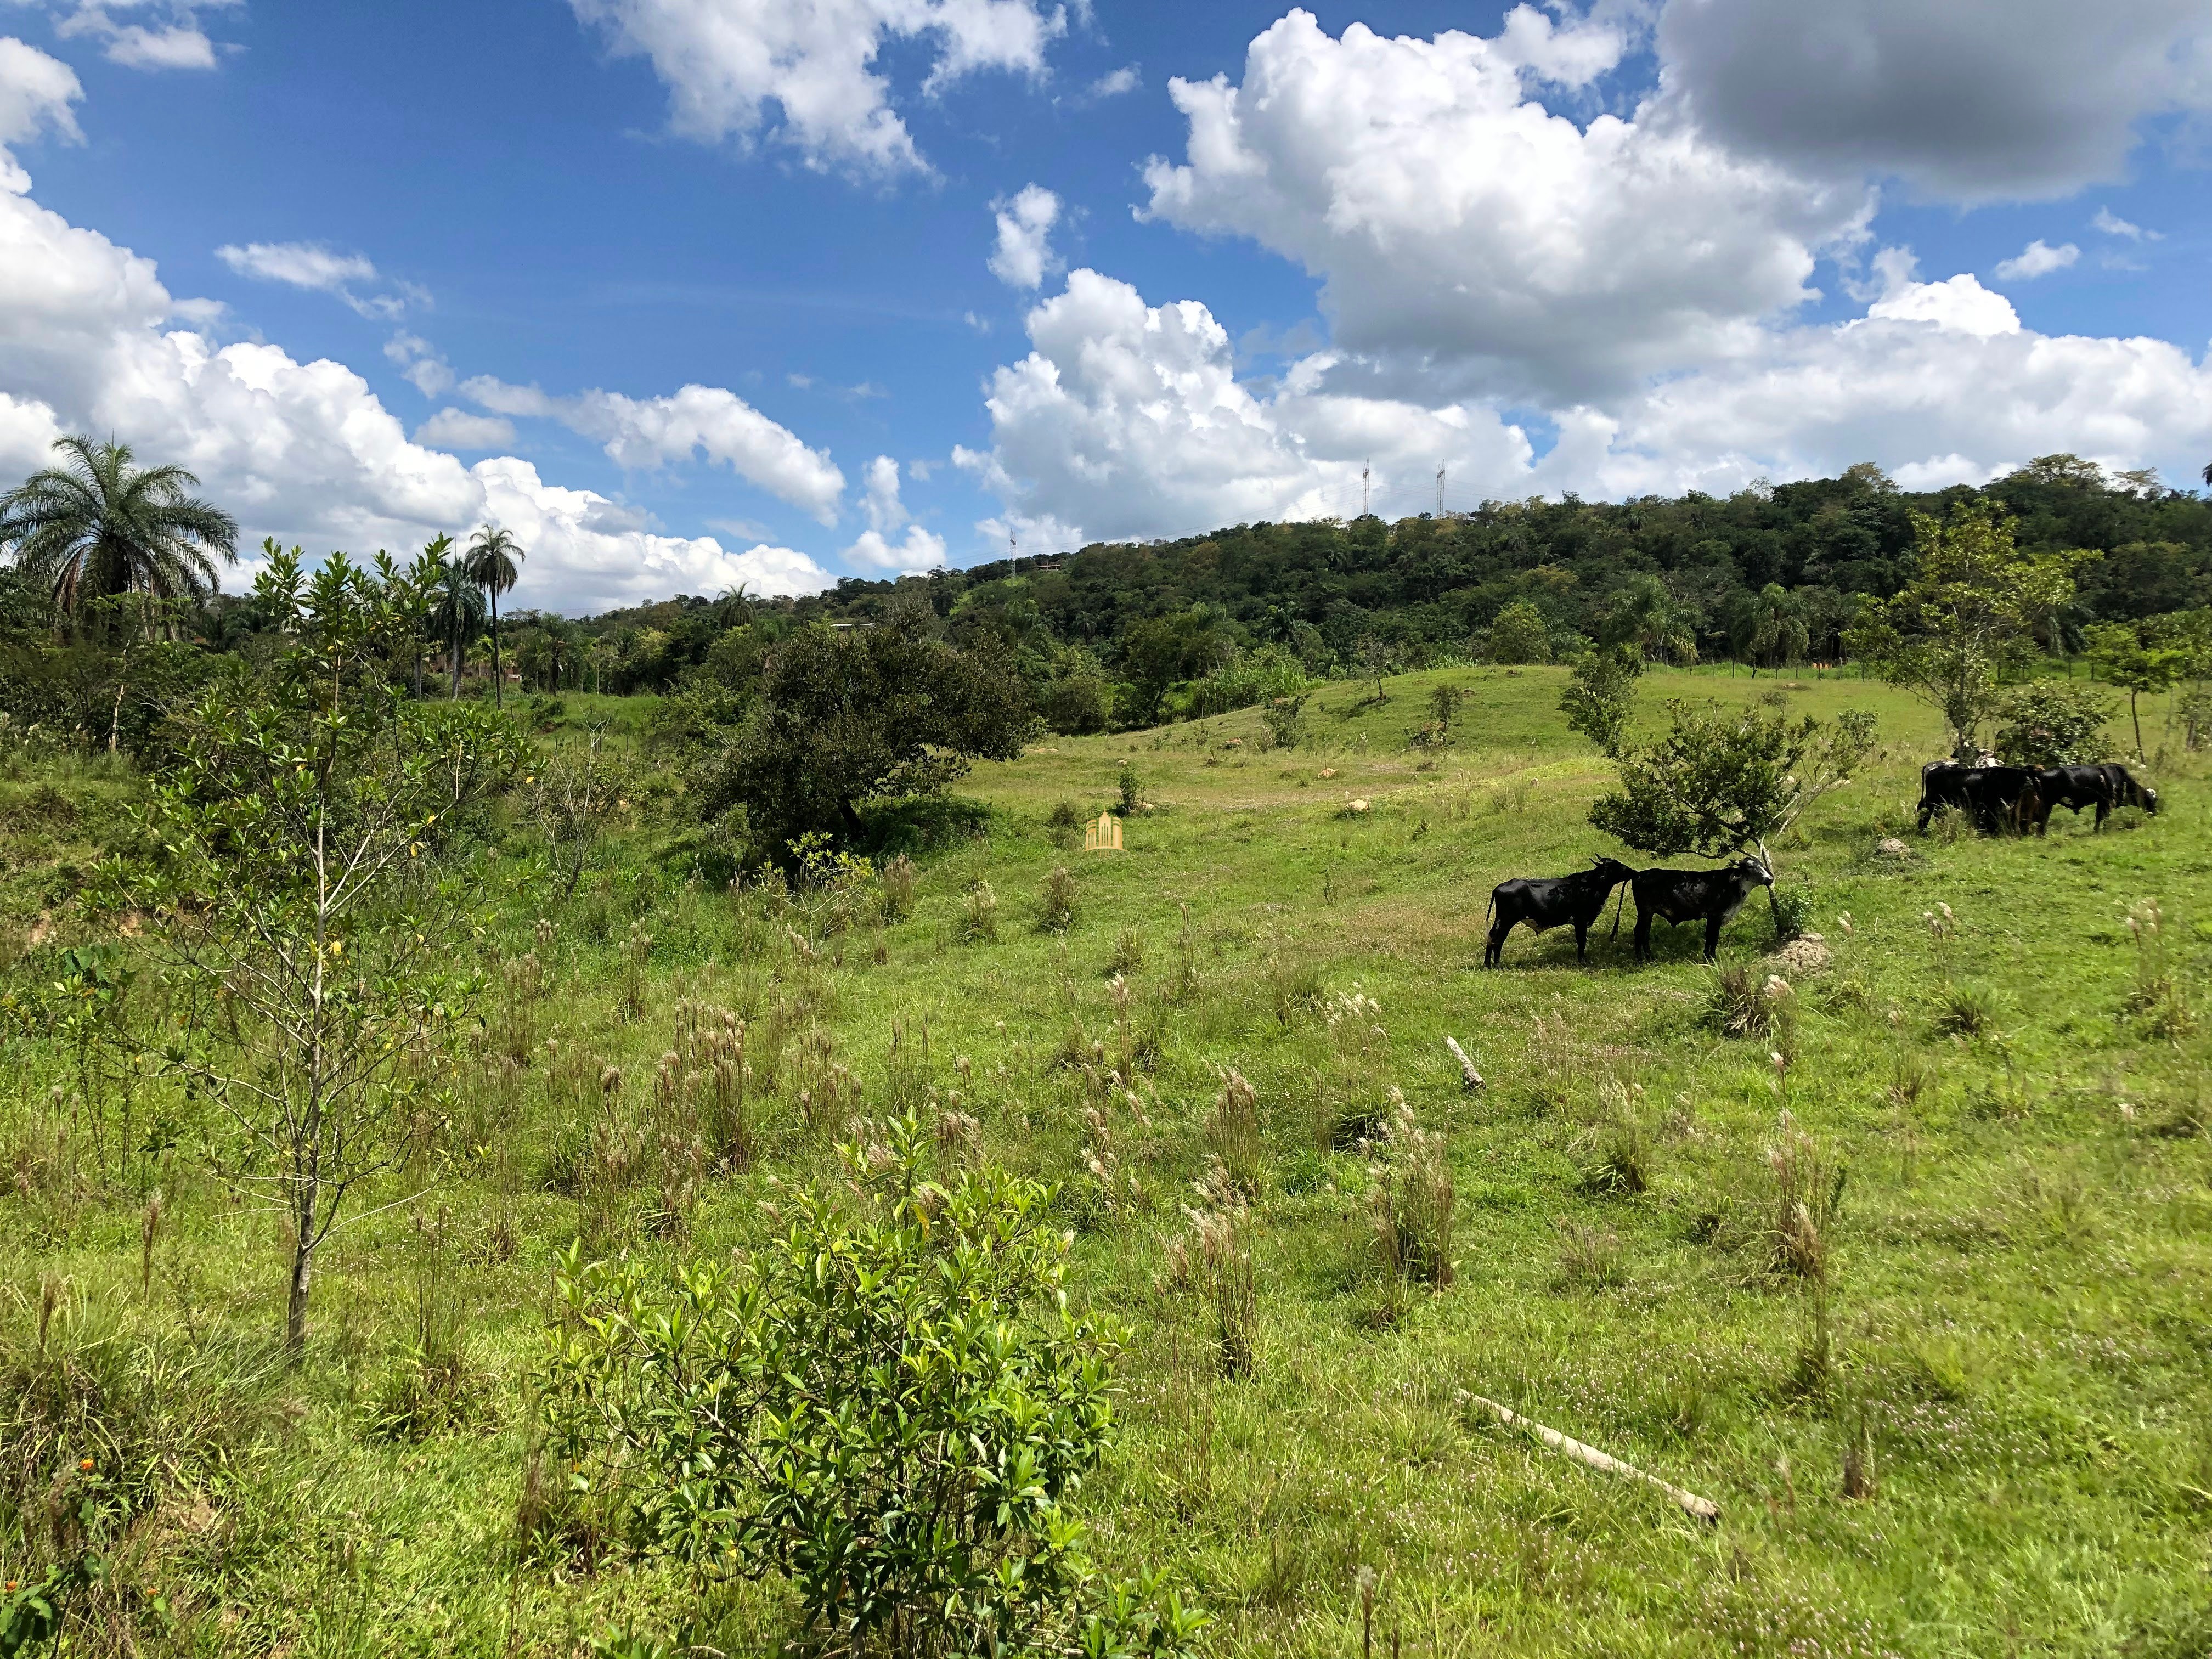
{"x":1643,"y":932}
{"x":1495,"y":954}
{"x":1927,"y":811}
{"x":1582,"y":940}
{"x":1713,"y":926}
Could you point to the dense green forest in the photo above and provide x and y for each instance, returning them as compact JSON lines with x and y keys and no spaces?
{"x":1426,"y":591}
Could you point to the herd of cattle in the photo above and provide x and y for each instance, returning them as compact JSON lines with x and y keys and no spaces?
{"x":1998,"y":799}
{"x":2009,"y":799}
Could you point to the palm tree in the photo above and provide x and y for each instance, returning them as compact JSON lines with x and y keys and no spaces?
{"x":1645,"y":612}
{"x":98,"y":526}
{"x":457,"y":607}
{"x":493,"y":556}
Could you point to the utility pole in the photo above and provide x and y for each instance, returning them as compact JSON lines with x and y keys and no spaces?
{"x":1440,"y":490}
{"x":1364,"y":468}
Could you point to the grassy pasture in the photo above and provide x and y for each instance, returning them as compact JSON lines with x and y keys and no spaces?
{"x":2010,"y":1337}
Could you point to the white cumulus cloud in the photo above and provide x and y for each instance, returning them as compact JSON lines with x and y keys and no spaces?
{"x":1024,"y":256}
{"x":725,"y":62}
{"x":456,"y":428}
{"x":921,"y":549}
{"x":2038,"y":259}
{"x":302,"y":450}
{"x":1127,"y":420}
{"x":643,"y":433}
{"x":1475,"y":239}
{"x":36,"y":92}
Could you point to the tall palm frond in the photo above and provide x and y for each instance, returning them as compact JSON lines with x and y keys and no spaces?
{"x":492,"y":562}
{"x":99,"y":525}
{"x":457,"y":609}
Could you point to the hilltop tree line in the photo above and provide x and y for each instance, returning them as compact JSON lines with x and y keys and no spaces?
{"x":1119,"y":634}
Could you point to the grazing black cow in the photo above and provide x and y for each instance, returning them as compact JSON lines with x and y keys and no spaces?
{"x":1993,"y":796}
{"x":2127,"y":790}
{"x":1942,"y":783}
{"x":1552,"y":901}
{"x":1708,"y":896}
{"x":2073,"y":787}
{"x":2003,"y":798}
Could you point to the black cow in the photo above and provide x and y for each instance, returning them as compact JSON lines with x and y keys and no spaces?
{"x":2072,"y":787}
{"x":2003,"y":798}
{"x":2127,"y":790}
{"x":1993,"y":796}
{"x":1551,"y":901}
{"x":1942,"y":783}
{"x":1710,"y":895}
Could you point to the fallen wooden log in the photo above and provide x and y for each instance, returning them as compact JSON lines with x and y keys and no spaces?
{"x":1469,"y":1077}
{"x":1703,"y":1509}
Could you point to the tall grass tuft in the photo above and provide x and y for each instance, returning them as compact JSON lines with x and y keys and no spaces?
{"x":1411,"y":1202}
{"x":979,"y":918}
{"x":1056,"y":905}
{"x":637,"y":951}
{"x":1129,"y":956}
{"x":899,"y":879}
{"x":1807,"y":1201}
{"x":1233,"y":1136}
{"x":2160,"y":995}
{"x":1217,"y":1261}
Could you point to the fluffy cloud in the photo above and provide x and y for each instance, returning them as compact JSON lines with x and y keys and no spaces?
{"x":321,"y":269}
{"x":420,"y":363}
{"x":725,"y":61}
{"x":1127,"y":420}
{"x":2038,"y":259}
{"x":1024,"y":256}
{"x":303,"y":452}
{"x":36,"y":92}
{"x":887,"y":515}
{"x":642,"y":433}
{"x":456,"y":428}
{"x":174,"y":40}
{"x":1475,"y":239}
{"x":1967,"y":99}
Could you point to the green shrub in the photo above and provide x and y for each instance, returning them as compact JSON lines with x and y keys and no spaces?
{"x":1793,"y":911}
{"x":1520,"y":634}
{"x":2052,"y":723}
{"x":889,"y":1403}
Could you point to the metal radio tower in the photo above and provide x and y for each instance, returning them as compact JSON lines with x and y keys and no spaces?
{"x":1364,"y":468}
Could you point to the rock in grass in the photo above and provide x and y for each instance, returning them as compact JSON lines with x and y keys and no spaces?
{"x":1891,"y":847}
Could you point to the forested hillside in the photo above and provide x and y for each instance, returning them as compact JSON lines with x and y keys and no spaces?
{"x":1426,"y":591}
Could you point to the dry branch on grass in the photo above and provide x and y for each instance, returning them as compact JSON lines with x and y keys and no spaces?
{"x":1702,"y":1509}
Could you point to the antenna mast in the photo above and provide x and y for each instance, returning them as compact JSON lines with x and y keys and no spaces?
{"x":1440,"y":490}
{"x":1364,"y":467}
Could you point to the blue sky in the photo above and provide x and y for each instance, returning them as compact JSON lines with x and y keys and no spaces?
{"x":547,"y":218}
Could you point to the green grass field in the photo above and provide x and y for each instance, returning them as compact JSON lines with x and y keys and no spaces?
{"x":2009,"y":1340}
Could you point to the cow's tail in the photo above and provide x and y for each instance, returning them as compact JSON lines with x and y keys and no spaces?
{"x":1620,"y":902}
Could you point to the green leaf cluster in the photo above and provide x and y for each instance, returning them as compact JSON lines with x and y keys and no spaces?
{"x":1724,"y":780}
{"x":890,"y":1402}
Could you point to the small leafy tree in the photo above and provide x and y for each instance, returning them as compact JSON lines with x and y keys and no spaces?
{"x":572,"y":795}
{"x":1972,"y":609}
{"x":1600,"y":695}
{"x":844,"y":715}
{"x":1285,"y":718}
{"x":890,"y":1402}
{"x":1519,"y":634}
{"x":285,"y":861}
{"x":1730,"y":780}
{"x":2138,"y":658}
{"x":2049,"y":722}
